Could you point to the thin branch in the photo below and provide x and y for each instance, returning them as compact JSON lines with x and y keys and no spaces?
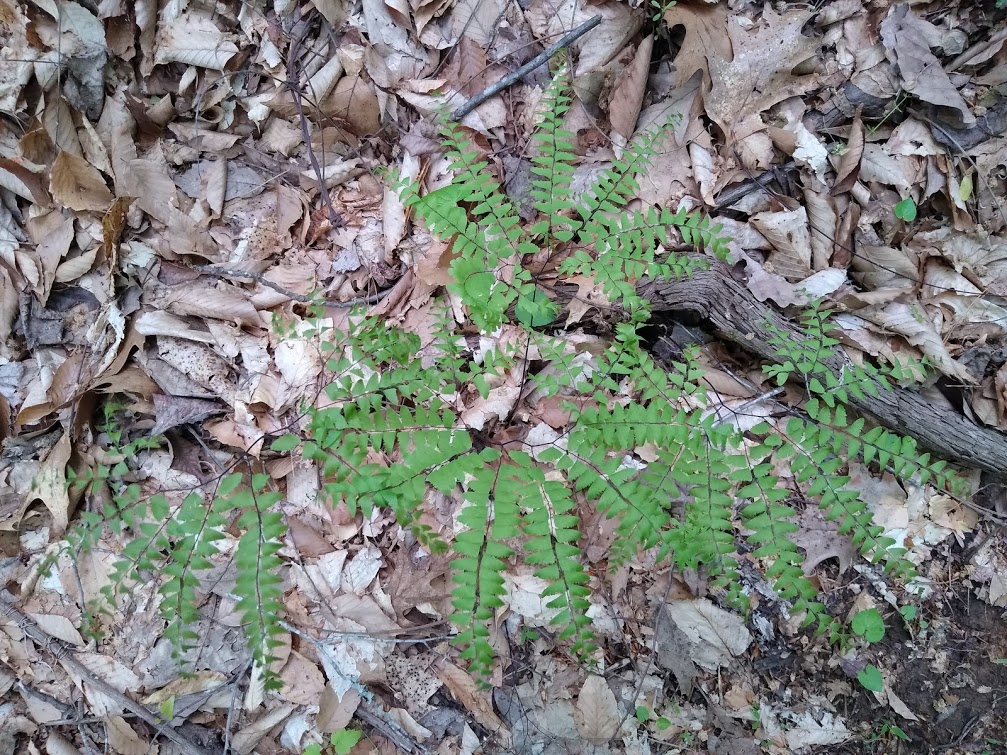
{"x":66,"y":655}
{"x":228,"y":272}
{"x":293,"y":71}
{"x":520,"y":73}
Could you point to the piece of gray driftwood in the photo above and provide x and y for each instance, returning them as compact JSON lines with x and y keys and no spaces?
{"x":725,"y":302}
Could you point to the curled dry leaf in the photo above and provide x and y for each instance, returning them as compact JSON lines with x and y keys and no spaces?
{"x":789,"y":234}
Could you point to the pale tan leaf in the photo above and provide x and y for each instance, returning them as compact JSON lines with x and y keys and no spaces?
{"x":334,"y":11}
{"x":77,"y":185}
{"x":898,"y":706}
{"x":908,"y":40}
{"x":57,"y":744}
{"x":220,"y":301}
{"x":913,"y":137}
{"x":849,"y":163}
{"x":597,"y":710}
{"x":878,"y":165}
{"x":393,"y":212}
{"x":624,"y":104}
{"x":823,"y":221}
{"x":52,"y":234}
{"x":251,"y":733}
{"x":464,"y":690}
{"x":789,"y":234}
{"x":28,"y":184}
{"x":124,"y":740}
{"x":303,"y":681}
{"x":58,"y":122}
{"x":716,"y":635}
{"x":190,"y":684}
{"x":911,"y":321}
{"x":216,"y":186}
{"x":195,"y":40}
{"x":884,"y":266}
{"x":760,"y":74}
{"x":59,"y":627}
{"x":704,"y":38}
{"x":702,"y":168}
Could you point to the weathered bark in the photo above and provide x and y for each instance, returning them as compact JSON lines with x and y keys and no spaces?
{"x":724,"y":302}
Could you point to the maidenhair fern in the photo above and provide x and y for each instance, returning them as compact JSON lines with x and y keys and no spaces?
{"x":395,"y":427}
{"x":176,"y":540}
{"x":403,"y":420}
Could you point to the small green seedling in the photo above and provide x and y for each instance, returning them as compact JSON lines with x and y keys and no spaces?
{"x":870,"y":625}
{"x":870,"y":678}
{"x":887,"y":730}
{"x":644,"y":714}
{"x":906,"y":210}
{"x":342,"y":742}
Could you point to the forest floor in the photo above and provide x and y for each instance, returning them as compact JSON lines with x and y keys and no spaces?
{"x":177,"y":178}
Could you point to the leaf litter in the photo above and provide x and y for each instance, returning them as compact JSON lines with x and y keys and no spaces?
{"x":176,"y":178}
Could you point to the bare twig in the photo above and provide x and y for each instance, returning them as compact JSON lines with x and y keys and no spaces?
{"x":293,"y":71}
{"x":520,"y":73}
{"x":65,"y":654}
{"x":228,"y":272}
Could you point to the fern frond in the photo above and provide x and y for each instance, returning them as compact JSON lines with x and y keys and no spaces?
{"x":551,"y":535}
{"x":489,"y":246}
{"x":258,"y":582}
{"x":490,"y":517}
{"x":553,"y":165}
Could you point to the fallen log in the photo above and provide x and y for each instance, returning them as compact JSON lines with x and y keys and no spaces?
{"x":718,"y":298}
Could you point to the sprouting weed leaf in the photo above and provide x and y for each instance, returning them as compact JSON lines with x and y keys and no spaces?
{"x":286,"y":443}
{"x":344,"y":740}
{"x":535,"y":310}
{"x":906,"y":210}
{"x":965,"y":188}
{"x":870,"y":625}
{"x":870,"y":678}
{"x":167,"y":708}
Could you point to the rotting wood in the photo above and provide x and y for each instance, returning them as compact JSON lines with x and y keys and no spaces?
{"x":717,"y":297}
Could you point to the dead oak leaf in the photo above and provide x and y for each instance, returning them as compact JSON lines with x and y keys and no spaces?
{"x":760,"y":74}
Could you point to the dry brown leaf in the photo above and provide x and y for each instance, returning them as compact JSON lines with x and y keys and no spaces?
{"x":704,"y":38}
{"x":23,"y":182}
{"x":77,"y":185}
{"x":464,"y":689}
{"x":823,"y":221}
{"x":52,"y":234}
{"x":759,"y":74}
{"x":303,"y":681}
{"x":221,"y":301}
{"x":627,"y":97}
{"x":849,"y":164}
{"x":193,"y":39}
{"x":716,"y":635}
{"x":908,"y":40}
{"x":598,"y":716}
{"x":820,"y":540}
{"x":789,"y":234}
{"x":912,"y":322}
{"x":124,"y":740}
